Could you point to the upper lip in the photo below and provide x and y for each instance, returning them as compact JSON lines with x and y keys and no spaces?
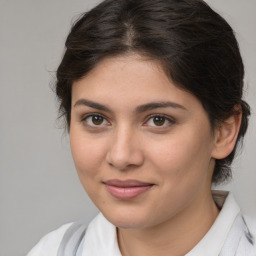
{"x":126,"y":183}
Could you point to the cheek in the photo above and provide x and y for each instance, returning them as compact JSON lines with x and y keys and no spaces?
{"x":182,"y":155}
{"x":88,"y":154}
{"x":183,"y":165}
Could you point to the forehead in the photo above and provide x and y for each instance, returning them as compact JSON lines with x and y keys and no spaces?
{"x":130,"y":80}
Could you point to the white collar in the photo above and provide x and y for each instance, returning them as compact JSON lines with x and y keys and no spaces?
{"x":101,"y":238}
{"x":212,"y":243}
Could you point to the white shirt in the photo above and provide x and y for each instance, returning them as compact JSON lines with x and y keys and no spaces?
{"x":101,"y":239}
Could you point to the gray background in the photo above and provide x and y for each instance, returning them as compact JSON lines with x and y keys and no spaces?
{"x":39,"y":189}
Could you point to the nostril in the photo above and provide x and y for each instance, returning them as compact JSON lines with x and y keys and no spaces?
{"x":123,"y":160}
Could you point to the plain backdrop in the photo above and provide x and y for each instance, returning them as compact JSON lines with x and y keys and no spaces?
{"x":39,"y":189}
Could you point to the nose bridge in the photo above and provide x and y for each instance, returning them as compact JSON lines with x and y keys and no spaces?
{"x":124,"y":150}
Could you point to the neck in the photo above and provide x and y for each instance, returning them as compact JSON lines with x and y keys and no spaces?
{"x":176,"y":236}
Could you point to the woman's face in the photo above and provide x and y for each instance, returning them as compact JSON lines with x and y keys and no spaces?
{"x":142,"y":146}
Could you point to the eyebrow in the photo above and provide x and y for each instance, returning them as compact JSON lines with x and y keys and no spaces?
{"x":139,"y":109}
{"x":154,"y":105}
{"x":84,"y":102}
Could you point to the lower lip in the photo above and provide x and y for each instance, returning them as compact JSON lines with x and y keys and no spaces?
{"x":127,"y":193}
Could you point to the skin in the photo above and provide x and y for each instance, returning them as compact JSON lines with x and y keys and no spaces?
{"x":119,"y":139}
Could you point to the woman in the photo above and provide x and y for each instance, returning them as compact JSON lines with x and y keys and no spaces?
{"x":152,"y":96}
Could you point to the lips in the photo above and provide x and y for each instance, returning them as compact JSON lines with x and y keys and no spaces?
{"x":127,"y":189}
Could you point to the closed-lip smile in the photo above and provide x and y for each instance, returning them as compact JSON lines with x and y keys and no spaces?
{"x":126,"y":189}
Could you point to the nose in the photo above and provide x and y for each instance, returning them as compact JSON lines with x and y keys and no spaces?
{"x":125,"y":151}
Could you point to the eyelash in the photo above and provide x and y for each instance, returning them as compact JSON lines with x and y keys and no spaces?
{"x":84,"y":119}
{"x":168,"y":119}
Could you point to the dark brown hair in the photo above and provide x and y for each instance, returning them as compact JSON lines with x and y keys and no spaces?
{"x":196,"y":47}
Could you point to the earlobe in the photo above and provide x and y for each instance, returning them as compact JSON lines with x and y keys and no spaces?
{"x":226,"y":134}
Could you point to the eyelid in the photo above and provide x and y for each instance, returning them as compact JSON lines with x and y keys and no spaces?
{"x":168,"y":118}
{"x":84,"y":117}
{"x":171,"y":120}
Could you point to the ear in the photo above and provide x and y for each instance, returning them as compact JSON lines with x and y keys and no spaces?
{"x":226,"y":134}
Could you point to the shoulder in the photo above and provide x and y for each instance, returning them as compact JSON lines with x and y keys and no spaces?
{"x":49,"y":244}
{"x":251,"y":223}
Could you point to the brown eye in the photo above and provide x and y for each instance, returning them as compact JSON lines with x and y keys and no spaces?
{"x":95,"y":120}
{"x":159,"y":120}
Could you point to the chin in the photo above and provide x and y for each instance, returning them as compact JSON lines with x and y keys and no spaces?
{"x":127,"y":220}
